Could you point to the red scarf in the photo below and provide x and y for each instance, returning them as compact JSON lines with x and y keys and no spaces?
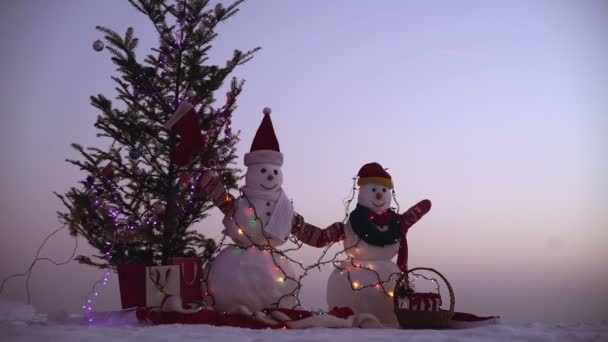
{"x":383,"y":219}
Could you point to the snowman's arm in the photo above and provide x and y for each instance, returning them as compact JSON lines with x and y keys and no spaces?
{"x":415,"y":213}
{"x":315,"y":236}
{"x":216,"y":191}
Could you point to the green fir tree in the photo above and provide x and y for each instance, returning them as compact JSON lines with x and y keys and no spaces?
{"x":137,"y":203}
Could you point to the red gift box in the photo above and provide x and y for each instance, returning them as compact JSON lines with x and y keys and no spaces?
{"x":132,"y":283}
{"x":191,"y":278}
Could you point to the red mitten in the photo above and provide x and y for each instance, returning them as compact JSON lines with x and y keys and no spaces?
{"x":213,"y":187}
{"x":184,"y":122}
{"x":423,"y":207}
{"x":415,"y":213}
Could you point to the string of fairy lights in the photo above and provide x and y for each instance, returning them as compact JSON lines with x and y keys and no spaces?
{"x":283,"y":254}
{"x":279,"y":256}
{"x":103,"y":187}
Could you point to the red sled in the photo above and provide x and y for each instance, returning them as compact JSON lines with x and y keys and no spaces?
{"x":210,"y":317}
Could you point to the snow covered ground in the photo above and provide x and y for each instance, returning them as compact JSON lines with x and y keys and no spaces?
{"x":19,"y":322}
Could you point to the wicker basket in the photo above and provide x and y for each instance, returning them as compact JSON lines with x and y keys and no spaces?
{"x":409,"y":319}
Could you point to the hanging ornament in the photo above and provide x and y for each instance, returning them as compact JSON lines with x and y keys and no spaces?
{"x":160,"y":209}
{"x":191,"y":93}
{"x":89,"y":181}
{"x":108,"y":172}
{"x":98,"y":45}
{"x":134,"y":153}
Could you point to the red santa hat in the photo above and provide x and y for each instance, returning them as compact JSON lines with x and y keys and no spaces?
{"x":374,"y":173}
{"x":265,"y":146}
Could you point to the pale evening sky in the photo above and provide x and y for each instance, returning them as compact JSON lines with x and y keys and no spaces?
{"x":496,"y":111}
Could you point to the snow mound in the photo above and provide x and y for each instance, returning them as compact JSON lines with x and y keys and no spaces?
{"x":17,"y":324}
{"x":16,"y":312}
{"x":125,"y":331}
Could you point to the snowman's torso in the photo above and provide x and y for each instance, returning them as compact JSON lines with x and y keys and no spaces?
{"x":250,"y":277}
{"x":250,"y":218}
{"x":247,"y":275}
{"x":370,"y":266}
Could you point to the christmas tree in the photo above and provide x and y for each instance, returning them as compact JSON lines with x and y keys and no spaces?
{"x":141,"y":198}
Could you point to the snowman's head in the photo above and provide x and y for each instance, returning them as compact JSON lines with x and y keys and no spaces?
{"x":265,"y":159}
{"x":375,"y":197}
{"x":375,"y":187}
{"x":264,"y":176}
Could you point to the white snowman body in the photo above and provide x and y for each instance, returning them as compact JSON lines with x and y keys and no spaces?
{"x":371,"y":271}
{"x":250,"y":274}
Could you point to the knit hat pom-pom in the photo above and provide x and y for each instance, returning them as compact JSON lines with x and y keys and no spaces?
{"x":267,"y":110}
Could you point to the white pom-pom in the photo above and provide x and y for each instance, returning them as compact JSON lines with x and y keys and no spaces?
{"x":267,"y":110}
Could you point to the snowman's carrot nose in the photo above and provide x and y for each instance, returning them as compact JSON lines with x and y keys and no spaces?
{"x":378,"y":195}
{"x":270,"y":177}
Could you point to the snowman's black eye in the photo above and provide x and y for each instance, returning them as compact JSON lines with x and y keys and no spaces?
{"x":263,"y":170}
{"x":383,"y":189}
{"x":373,"y":189}
{"x":276,"y":172}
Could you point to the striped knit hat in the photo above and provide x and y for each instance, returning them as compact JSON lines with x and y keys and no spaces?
{"x":374,"y":173}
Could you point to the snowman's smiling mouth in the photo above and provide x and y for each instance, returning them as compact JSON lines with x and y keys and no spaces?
{"x":267,"y":187}
{"x":378,"y":205}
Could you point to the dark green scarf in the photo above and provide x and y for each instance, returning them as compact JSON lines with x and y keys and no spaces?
{"x":365,"y":221}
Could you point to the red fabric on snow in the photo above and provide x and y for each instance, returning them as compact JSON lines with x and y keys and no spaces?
{"x":211,"y":317}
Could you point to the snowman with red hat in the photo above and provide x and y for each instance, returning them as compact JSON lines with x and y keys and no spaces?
{"x":251,"y":275}
{"x":372,"y":236}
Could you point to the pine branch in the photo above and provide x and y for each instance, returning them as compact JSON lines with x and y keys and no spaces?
{"x":116,"y":214}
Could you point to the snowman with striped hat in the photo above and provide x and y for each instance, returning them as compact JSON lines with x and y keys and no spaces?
{"x":372,"y":236}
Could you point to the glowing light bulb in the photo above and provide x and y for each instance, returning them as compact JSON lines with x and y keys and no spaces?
{"x":228,"y":199}
{"x":240,"y":231}
{"x":377,"y":285}
{"x":391,"y":294}
{"x":281,"y":280}
{"x":356,"y":285}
